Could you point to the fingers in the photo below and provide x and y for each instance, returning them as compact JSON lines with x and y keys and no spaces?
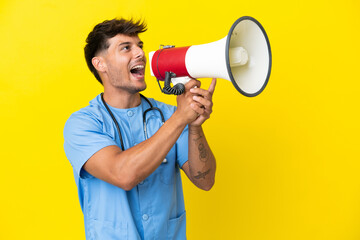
{"x":193,"y":83}
{"x":202,"y":92}
{"x":202,"y":99}
{"x":206,"y":103}
{"x":212,"y":86}
{"x":198,"y":108}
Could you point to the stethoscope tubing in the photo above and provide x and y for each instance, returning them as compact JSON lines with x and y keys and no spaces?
{"x":144,"y":118}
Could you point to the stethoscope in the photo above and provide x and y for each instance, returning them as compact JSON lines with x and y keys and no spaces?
{"x":144,"y":118}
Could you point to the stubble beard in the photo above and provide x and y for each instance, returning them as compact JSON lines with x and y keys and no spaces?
{"x":126,"y":86}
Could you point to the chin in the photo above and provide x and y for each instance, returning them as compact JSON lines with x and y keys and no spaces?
{"x":137,"y":89}
{"x":141,"y":89}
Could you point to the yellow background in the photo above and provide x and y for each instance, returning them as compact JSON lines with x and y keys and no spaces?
{"x":288,"y":160}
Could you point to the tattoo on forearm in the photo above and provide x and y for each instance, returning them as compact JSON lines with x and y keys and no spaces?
{"x":203,"y":154}
{"x":202,"y":174}
{"x":197,"y":139}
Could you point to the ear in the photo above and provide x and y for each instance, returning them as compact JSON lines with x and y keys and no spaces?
{"x":99,"y":64}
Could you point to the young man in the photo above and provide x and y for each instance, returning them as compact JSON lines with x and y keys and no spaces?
{"x":127,"y":160}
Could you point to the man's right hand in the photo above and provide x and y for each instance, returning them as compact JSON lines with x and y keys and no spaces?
{"x":184,"y":102}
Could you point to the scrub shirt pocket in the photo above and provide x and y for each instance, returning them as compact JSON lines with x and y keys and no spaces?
{"x":177,"y":228}
{"x":106,"y":230}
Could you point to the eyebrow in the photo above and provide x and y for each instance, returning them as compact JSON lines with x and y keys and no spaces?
{"x":127,"y":43}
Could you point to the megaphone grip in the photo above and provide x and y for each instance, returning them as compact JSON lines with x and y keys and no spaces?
{"x":178,"y":89}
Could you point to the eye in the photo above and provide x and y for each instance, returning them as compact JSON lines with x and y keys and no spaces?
{"x":126,"y":47}
{"x":141,"y":46}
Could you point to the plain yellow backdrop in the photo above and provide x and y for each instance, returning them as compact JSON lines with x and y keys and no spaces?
{"x":288,"y":159}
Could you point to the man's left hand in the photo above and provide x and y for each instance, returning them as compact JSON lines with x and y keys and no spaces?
{"x":204,"y":99}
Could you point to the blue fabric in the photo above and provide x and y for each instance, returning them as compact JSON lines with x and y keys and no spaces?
{"x":154,"y":209}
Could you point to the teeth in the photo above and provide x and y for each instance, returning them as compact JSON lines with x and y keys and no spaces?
{"x":138,"y":67}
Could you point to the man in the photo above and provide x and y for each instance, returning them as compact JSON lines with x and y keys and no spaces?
{"x":128,"y":179}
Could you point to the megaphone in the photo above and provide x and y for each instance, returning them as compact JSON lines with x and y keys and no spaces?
{"x":242,"y":57}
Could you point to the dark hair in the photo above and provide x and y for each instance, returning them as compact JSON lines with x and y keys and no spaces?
{"x":97,"y":39}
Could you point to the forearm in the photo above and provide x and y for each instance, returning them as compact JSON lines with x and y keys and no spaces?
{"x":201,"y":163}
{"x":140,"y":161}
{"x":126,"y":169}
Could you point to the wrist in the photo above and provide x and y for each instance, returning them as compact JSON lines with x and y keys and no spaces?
{"x":195,"y":129}
{"x":178,"y":119}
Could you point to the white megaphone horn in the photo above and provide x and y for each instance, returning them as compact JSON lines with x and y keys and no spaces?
{"x":242,"y":57}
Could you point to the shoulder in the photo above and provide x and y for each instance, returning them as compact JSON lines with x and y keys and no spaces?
{"x":89,"y":117}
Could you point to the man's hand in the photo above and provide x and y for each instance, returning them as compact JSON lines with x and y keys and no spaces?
{"x":185,"y":101}
{"x":201,"y":164}
{"x":203,"y":103}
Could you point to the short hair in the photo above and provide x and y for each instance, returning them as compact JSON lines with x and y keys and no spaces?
{"x":97,"y":39}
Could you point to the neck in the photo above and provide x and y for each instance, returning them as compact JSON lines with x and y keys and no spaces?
{"x":121,"y":99}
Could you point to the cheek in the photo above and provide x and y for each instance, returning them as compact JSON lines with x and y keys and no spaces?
{"x":123,"y":66}
{"x":119,"y":68}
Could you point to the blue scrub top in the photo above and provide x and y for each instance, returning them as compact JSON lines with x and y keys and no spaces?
{"x":154,"y":209}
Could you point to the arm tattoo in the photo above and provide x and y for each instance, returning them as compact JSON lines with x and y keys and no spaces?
{"x":203,"y":154}
{"x":202,"y":174}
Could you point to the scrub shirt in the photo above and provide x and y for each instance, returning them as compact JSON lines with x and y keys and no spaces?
{"x":154,"y":209}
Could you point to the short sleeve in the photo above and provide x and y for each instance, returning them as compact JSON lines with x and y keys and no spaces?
{"x":84,"y":136}
{"x":182,"y":147}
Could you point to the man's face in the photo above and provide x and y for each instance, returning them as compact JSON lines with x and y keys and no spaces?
{"x":125,"y":63}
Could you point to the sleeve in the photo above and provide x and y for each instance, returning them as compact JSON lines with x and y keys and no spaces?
{"x":182,"y":147}
{"x":83,"y":136}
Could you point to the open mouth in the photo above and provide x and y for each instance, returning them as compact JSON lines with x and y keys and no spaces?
{"x":138,"y":71}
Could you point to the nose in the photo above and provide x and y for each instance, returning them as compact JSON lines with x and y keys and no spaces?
{"x":139,"y":52}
